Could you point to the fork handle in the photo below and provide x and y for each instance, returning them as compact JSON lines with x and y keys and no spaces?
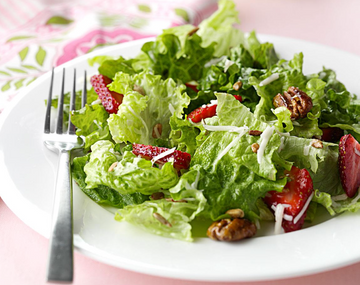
{"x":61,"y":256}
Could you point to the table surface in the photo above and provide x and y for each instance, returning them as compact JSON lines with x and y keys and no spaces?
{"x":334,"y":23}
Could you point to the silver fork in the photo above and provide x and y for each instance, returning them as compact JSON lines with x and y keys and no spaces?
{"x":60,"y":261}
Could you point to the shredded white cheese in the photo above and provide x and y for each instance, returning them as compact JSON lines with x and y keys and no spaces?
{"x":231,"y":129}
{"x":161,"y":155}
{"x":303,"y":210}
{"x":171,"y":108}
{"x":96,"y":102}
{"x":265,"y":137}
{"x":228,"y":63}
{"x":214,"y":61}
{"x":286,"y":216}
{"x":279,"y":215}
{"x":281,"y":144}
{"x":339,"y":197}
{"x":269,"y":79}
{"x":229,"y":146}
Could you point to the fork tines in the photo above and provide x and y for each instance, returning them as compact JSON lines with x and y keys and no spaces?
{"x":60,"y":115}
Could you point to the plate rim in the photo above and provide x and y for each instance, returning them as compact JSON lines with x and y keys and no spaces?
{"x":81,"y":246}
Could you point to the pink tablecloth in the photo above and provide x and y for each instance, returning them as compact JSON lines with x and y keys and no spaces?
{"x":335,"y":23}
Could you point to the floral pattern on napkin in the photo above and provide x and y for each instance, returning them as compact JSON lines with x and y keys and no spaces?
{"x":61,"y":31}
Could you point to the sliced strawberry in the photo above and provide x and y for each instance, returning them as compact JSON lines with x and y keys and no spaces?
{"x":110,"y":99}
{"x":295,"y":194}
{"x":349,"y":164}
{"x":181,"y":159}
{"x":206,"y":111}
{"x":192,"y":86}
{"x":331,"y":134}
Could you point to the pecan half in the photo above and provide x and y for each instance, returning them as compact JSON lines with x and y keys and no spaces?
{"x":235,"y":213}
{"x":255,"y":147}
{"x":297,"y":101}
{"x":237,"y":85}
{"x":255,"y":133}
{"x":317,"y":143}
{"x":231,"y":230}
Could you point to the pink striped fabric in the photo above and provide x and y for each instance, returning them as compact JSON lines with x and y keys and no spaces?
{"x":14,"y":13}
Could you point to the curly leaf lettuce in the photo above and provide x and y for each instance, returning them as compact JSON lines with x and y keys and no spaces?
{"x":236,"y":179}
{"x":131,"y":173}
{"x":138,"y":113}
{"x":219,"y":28}
{"x":178,"y":214}
{"x":102,"y":194}
{"x":91,"y":123}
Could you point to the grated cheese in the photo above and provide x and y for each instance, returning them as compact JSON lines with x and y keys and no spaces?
{"x":297,"y":218}
{"x":356,"y":151}
{"x":279,"y":215}
{"x":281,"y":144}
{"x":231,"y":129}
{"x":96,"y":102}
{"x":229,"y":146}
{"x":161,"y":155}
{"x":215,"y":61}
{"x":228,"y":63}
{"x":286,"y":216}
{"x":265,"y":137}
{"x":269,"y":79}
{"x":171,"y":108}
{"x":339,"y":197}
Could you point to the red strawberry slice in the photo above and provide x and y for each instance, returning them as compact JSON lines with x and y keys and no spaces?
{"x":349,"y":164}
{"x":181,"y":159}
{"x":192,"y":86}
{"x":295,"y":194}
{"x":110,"y":99}
{"x":206,"y":111}
{"x":331,"y":134}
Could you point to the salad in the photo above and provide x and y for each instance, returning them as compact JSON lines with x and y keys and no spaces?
{"x":207,"y":126}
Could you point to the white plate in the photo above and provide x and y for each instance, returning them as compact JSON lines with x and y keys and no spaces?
{"x":27,"y":178}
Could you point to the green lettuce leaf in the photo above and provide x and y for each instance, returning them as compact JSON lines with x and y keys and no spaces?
{"x":103,"y":195}
{"x":335,"y":206}
{"x":264,"y":55}
{"x":341,"y":108}
{"x":178,"y":214}
{"x":169,"y":59}
{"x":290,"y":74}
{"x":91,"y":123}
{"x":219,"y":28}
{"x":322,"y":163}
{"x":138,"y":113}
{"x":183,"y":135}
{"x":131,"y":174}
{"x":236,"y":179}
